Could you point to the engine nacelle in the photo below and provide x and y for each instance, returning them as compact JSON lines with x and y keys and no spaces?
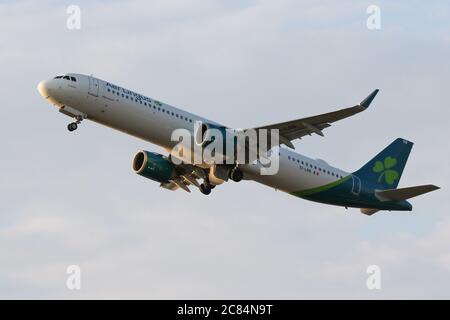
{"x":201,"y":137}
{"x":206,"y":132}
{"x":215,"y":138}
{"x":153,"y":166}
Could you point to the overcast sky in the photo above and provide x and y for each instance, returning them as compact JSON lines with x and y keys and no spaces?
{"x":73,"y":199}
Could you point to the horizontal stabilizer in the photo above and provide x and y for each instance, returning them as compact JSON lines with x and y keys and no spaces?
{"x":404,"y":193}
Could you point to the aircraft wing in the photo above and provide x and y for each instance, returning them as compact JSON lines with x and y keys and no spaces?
{"x":296,"y":129}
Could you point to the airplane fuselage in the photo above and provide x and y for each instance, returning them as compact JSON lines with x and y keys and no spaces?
{"x":86,"y":97}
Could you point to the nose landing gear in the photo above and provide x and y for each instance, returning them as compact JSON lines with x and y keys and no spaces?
{"x":74,"y":125}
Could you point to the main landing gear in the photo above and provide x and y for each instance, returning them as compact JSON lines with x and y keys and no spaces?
{"x":236,"y":174}
{"x":205,"y":188}
{"x":74,"y":125}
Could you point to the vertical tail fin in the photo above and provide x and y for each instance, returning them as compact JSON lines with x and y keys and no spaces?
{"x":386,"y":168}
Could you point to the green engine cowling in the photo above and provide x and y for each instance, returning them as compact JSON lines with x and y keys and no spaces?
{"x":153,"y":166}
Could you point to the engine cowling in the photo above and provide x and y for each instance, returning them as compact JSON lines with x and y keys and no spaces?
{"x":208,"y":135}
{"x":201,"y":137}
{"x":204,"y":134}
{"x":153,"y":166}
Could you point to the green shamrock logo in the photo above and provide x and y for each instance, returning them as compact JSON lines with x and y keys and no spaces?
{"x":386,"y":171}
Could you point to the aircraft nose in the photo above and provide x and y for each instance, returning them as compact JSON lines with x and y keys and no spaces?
{"x":43,"y":88}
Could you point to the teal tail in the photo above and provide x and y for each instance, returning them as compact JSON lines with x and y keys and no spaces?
{"x":384,"y":171}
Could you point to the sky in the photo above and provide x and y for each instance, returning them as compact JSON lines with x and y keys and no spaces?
{"x":73,"y":199}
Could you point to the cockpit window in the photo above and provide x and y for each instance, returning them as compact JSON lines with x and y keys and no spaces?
{"x":70,"y":78}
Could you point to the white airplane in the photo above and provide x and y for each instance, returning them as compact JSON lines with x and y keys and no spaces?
{"x":371,"y":188}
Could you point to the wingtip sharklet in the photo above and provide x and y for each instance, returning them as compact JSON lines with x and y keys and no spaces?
{"x":367,"y":101}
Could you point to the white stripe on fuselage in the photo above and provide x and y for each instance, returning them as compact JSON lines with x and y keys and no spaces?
{"x":296,"y":172}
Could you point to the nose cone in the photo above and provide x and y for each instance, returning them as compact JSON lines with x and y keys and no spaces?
{"x":43,"y":88}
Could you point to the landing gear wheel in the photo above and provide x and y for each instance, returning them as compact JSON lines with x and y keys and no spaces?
{"x":236,"y":174}
{"x":205,"y":189}
{"x":72,"y":126}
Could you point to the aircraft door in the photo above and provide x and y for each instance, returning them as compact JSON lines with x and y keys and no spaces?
{"x":93,"y":86}
{"x":356,"y":189}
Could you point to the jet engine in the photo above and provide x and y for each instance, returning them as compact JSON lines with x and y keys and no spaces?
{"x":206,"y":133}
{"x":153,"y":166}
{"x":201,"y":134}
{"x":205,"y":136}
